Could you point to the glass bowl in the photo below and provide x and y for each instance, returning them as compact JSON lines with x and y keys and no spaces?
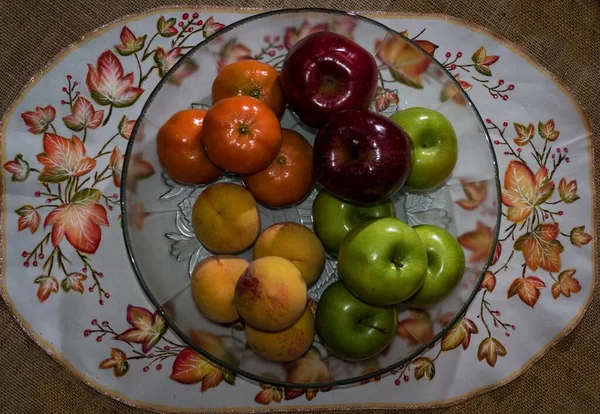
{"x":156,"y":219}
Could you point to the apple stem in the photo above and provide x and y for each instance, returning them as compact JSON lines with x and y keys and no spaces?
{"x":397,"y":262}
{"x":382,"y":330}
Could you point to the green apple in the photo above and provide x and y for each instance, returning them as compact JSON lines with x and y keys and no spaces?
{"x":333,"y":218}
{"x":435,"y":148}
{"x":445,"y":265}
{"x":382,"y":261}
{"x":350,"y":328}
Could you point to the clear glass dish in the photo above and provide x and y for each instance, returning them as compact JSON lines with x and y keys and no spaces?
{"x":164,"y":251}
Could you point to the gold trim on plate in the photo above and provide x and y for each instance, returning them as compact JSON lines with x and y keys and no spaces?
{"x":58,"y":357}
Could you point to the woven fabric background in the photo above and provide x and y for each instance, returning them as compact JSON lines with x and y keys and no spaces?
{"x":561,"y":35}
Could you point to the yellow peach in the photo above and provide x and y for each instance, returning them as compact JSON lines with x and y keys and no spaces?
{"x":213,"y":285}
{"x":296,"y":243}
{"x":271,"y":294}
{"x":286,"y":345}
{"x":225,"y":218}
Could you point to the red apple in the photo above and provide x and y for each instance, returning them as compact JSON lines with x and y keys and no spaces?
{"x":362,"y":156}
{"x":325,"y":73}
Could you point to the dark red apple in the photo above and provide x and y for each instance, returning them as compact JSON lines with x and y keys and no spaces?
{"x":362,"y":156}
{"x":325,"y":73}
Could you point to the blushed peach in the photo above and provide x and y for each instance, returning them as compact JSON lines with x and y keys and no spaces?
{"x":213,"y":285}
{"x":271,"y":294}
{"x":296,"y":243}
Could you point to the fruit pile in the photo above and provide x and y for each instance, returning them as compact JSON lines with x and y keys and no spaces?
{"x":359,"y":157}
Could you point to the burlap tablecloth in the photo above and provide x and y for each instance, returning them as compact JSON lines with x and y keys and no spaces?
{"x":562,"y":35}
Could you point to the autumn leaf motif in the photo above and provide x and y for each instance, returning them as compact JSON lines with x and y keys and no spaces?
{"x":116,"y":165}
{"x":84,"y":116}
{"x":39,"y":120}
{"x":79,"y":220}
{"x":445,"y":318}
{"x":309,"y":368}
{"x":187,"y":68}
{"x":211,"y":27}
{"x":232,"y":52}
{"x":490,"y":349}
{"x":406,"y":62}
{"x":523,"y":191}
{"x":344,"y":25}
{"x":547,"y":131}
{"x":424,"y":367}
{"x":191,"y":368}
{"x":126,"y":127}
{"x":566,"y":284}
{"x":417,"y":328}
{"x":48,"y":286}
{"x":475,"y":192}
{"x":129,"y":43}
{"x":146,"y":328}
{"x":29,"y":218}
{"x":450,"y":91}
{"x":524,"y":133}
{"x":117,"y":361}
{"x":568,"y":191}
{"x":19,"y":168}
{"x":384,"y":98}
{"x":478,"y":241}
{"x":483,"y":62}
{"x":292,"y":34}
{"x":540,"y":248}
{"x":165,"y":60}
{"x":369,"y":367}
{"x":166,"y":28}
{"x":489,"y":281}
{"x":108,"y":84}
{"x":497,"y":253}
{"x":73,"y":281}
{"x":528,"y":288}
{"x":269,"y":394}
{"x":579,"y":237}
{"x":459,"y":334}
{"x":139,"y":169}
{"x":63,"y":158}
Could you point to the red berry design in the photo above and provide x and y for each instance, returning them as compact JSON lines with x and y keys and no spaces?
{"x":114,"y":195}
{"x":37,"y":194}
{"x":69,"y":77}
{"x":406,"y":378}
{"x":26,"y":264}
{"x":101,"y":302}
{"x":84,"y":270}
{"x":558,"y":150}
{"x":566,"y":150}
{"x":105,"y":323}
{"x":199,"y":23}
{"x":35,"y":263}
{"x":397,"y":382}
{"x":518,"y":149}
{"x":459,"y":54}
{"x":496,"y":142}
{"x":64,"y":89}
{"x":167,"y":348}
{"x":498,"y":313}
{"x":159,"y":367}
{"x":448,"y":54}
{"x":42,"y":255}
{"x":100,"y":275}
{"x":94,"y":322}
{"x":553,"y":156}
{"x":511,"y":87}
{"x":276,"y":39}
{"x":48,"y":201}
{"x":24,"y":254}
{"x":185,"y":16}
{"x":190,"y":29}
{"x":180,"y":24}
{"x":272,"y":53}
{"x":150,"y":355}
{"x":567,"y":160}
{"x":146,"y":368}
{"x":505,"y":124}
{"x":110,"y":208}
{"x":488,"y":121}
{"x":560,"y":213}
{"x":90,"y":289}
{"x":107,"y":295}
{"x":195,"y":15}
{"x":505,"y":152}
{"x":98,"y":339}
{"x":505,"y":98}
{"x":87,"y":332}
{"x":495,"y":324}
{"x":513,"y":327}
{"x":63,"y":102}
{"x":267,"y":39}
{"x":506,"y":334}
{"x":75,"y":84}
{"x":452,"y":67}
{"x":495,"y":96}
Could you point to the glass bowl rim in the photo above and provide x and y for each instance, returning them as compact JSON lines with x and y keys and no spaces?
{"x":173,"y":325}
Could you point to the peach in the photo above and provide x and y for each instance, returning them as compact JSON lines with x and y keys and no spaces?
{"x":225,"y":218}
{"x":213,"y":285}
{"x":296,"y":243}
{"x":271,"y":294}
{"x":286,"y":345}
